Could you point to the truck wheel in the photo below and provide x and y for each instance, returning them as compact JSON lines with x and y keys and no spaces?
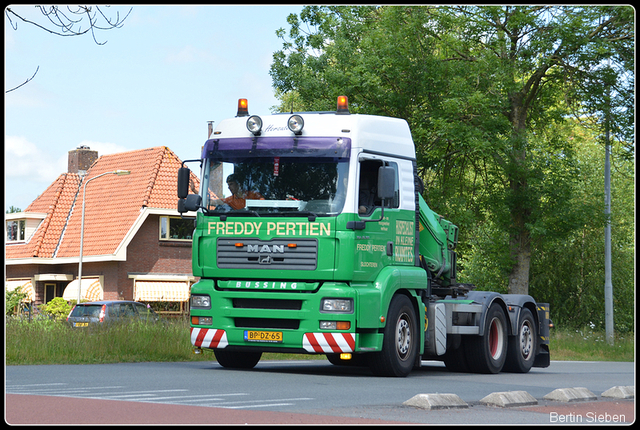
{"x":237,"y":360}
{"x":400,"y":343}
{"x":521,"y":351}
{"x":487,"y":353}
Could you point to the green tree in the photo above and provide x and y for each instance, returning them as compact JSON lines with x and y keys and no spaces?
{"x":568,"y":271}
{"x":12,"y":299}
{"x":484,"y":89}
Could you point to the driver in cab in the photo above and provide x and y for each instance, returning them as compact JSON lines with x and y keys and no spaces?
{"x":238,"y":197}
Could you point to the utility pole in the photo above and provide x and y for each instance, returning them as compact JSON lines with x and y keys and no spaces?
{"x":608,"y":286}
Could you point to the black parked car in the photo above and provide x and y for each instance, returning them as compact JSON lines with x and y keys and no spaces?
{"x":102,"y":311}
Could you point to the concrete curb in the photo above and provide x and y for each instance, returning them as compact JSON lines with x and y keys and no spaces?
{"x":575,"y":394}
{"x":436,"y":401}
{"x":620,"y":392}
{"x":506,"y":399}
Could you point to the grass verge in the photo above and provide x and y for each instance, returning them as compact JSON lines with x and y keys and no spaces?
{"x":588,"y":345}
{"x":49,"y":342}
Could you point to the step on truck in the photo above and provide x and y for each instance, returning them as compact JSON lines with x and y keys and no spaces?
{"x":312,"y":236}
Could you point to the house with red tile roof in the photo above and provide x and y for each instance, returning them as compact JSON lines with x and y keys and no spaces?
{"x":135,"y":246}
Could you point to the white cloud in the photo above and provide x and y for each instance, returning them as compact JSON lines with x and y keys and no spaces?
{"x":25,"y":159}
{"x":18,"y":146}
{"x":30,"y":168}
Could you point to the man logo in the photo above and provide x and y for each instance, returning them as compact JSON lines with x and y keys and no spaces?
{"x":274,"y":249}
{"x":265,"y":259}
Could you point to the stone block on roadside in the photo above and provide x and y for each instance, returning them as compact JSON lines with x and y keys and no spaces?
{"x":436,"y":401}
{"x":506,"y":399}
{"x":620,"y":392}
{"x":575,"y":394}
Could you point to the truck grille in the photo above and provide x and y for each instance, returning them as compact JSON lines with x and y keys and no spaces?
{"x":251,"y":303}
{"x":267,"y":323}
{"x":278,"y":254}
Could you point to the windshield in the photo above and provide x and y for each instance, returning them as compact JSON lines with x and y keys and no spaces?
{"x":92,"y":311}
{"x":274,"y":183}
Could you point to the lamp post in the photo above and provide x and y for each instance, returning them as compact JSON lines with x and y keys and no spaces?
{"x":84,"y":191}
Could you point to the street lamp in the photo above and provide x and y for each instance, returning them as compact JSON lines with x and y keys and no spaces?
{"x":84,"y":191}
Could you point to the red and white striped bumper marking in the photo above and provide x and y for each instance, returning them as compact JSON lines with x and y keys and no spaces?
{"x":329,"y":342}
{"x":208,"y":338}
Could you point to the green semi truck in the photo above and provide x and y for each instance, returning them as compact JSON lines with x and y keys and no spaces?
{"x":324,"y":245}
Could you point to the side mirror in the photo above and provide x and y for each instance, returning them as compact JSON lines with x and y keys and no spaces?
{"x":189,"y":204}
{"x":386,"y":182}
{"x":184,"y":175}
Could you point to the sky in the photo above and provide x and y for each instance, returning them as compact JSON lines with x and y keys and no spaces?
{"x":156,"y":81}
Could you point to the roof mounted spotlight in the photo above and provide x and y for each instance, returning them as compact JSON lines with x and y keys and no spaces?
{"x":254,"y":124}
{"x":343,"y":106}
{"x":243,"y":108}
{"x":296,"y":124}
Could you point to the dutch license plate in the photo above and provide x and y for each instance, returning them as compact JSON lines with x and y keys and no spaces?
{"x":80,"y":324}
{"x":262,"y":336}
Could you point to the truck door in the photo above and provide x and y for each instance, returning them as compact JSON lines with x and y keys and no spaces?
{"x":377,"y":244}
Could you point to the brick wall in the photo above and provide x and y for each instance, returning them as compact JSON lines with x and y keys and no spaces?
{"x":148,"y":254}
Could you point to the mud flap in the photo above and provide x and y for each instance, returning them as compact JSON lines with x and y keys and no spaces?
{"x":543,"y":356}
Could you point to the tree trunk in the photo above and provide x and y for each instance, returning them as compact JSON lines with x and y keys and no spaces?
{"x":521,"y":254}
{"x":519,"y":237}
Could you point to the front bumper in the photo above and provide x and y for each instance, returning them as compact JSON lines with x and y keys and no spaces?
{"x":314,"y":343}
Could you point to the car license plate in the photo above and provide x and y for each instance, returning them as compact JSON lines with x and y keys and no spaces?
{"x":262,"y":336}
{"x":80,"y":324}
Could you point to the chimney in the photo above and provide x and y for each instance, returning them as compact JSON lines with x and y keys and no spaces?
{"x":80,"y":159}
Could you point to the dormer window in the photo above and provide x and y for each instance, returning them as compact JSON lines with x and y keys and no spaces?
{"x":20,"y":226}
{"x":16,"y":230}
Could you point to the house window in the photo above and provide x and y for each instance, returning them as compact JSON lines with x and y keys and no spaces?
{"x":176,"y":228}
{"x":15,"y":230}
{"x":51,"y":291}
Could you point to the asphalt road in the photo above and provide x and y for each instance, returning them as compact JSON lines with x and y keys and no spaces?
{"x":298,"y":392}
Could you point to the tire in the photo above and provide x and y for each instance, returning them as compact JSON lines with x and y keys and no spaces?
{"x":522,"y":348}
{"x":237,"y":360}
{"x":487,"y":353}
{"x":400,"y":342}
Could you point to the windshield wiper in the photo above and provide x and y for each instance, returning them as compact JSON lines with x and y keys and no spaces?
{"x":223,"y":216}
{"x":311,"y":215}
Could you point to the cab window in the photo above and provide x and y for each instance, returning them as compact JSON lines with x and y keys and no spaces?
{"x":368,"y":199}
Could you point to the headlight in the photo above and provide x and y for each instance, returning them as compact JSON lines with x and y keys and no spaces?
{"x":200,"y":302}
{"x":337,"y":305}
{"x":296,"y":123}
{"x":254,"y":124}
